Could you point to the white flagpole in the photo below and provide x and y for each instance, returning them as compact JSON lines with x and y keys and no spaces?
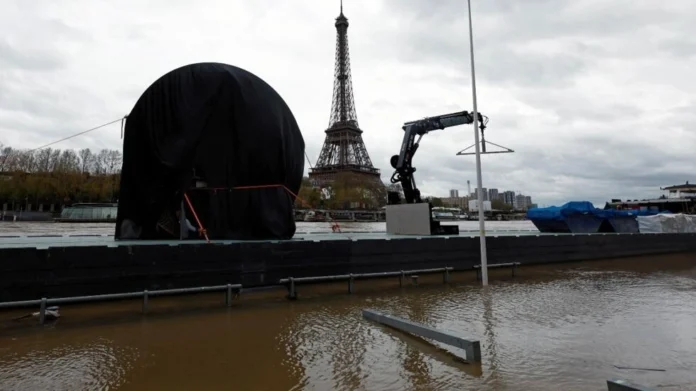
{"x":479,"y":198}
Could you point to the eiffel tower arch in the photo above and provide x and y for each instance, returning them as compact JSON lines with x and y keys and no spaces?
{"x":344,"y":150}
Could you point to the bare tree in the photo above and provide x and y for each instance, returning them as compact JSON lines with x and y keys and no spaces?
{"x":43,"y":159}
{"x":5,"y":158}
{"x":100,"y":162}
{"x":54,"y":160}
{"x":24,"y":161}
{"x":86,"y":159}
{"x":113,"y":161}
{"x":68,"y":162}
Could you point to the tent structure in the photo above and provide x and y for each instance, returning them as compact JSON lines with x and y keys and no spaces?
{"x":221,"y":137}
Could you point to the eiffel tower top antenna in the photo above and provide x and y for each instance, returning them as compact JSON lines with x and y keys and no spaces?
{"x":343,"y":103}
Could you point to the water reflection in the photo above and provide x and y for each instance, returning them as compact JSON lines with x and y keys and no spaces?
{"x":556,"y":327}
{"x":74,"y":365}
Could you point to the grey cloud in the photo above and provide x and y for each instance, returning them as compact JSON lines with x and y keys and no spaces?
{"x":534,"y":19}
{"x":24,"y":44}
{"x":44,"y":99}
{"x":591,"y":146}
{"x":14,"y":57}
{"x":437,"y":33}
{"x":502,"y":62}
{"x":683,"y":48}
{"x":593,"y":168}
{"x":546,"y":71}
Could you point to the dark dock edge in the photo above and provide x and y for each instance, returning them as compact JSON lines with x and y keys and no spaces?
{"x":31,"y":273}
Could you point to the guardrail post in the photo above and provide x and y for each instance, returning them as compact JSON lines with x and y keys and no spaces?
{"x":445,"y":276}
{"x":145,"y":301}
{"x":514,"y":266}
{"x":350,"y":283}
{"x":42,"y":311}
{"x":292,"y":294}
{"x":402,"y":279}
{"x":228,"y":297}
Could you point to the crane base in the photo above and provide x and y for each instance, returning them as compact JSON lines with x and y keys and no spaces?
{"x":415,"y":219}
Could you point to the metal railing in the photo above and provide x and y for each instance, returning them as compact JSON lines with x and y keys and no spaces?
{"x":229,"y":289}
{"x":291,"y":282}
{"x":512,"y":265}
{"x":45,"y":302}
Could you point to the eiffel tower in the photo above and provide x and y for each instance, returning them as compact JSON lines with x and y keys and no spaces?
{"x":344,"y":150}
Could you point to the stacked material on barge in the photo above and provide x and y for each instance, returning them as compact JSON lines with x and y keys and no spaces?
{"x":583,"y":217}
{"x":667,"y":223}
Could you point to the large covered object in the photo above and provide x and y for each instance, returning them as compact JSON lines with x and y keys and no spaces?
{"x":224,"y":138}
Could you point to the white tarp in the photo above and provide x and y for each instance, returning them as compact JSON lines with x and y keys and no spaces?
{"x":667,"y":223}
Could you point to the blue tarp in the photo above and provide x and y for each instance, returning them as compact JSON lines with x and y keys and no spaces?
{"x":581,"y":208}
{"x":560,"y":212}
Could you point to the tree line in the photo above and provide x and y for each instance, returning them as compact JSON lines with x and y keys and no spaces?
{"x":66,"y":176}
{"x":55,"y":176}
{"x":347,"y":191}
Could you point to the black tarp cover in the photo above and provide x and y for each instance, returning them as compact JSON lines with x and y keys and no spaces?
{"x":234,"y":130}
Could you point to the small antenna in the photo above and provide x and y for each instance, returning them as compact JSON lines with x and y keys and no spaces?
{"x":341,"y":7}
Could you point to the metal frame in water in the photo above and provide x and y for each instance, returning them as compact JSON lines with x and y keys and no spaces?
{"x":623,"y":385}
{"x":472,"y":347}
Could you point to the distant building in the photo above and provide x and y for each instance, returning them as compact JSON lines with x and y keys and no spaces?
{"x":474,"y":195}
{"x":456,"y":202}
{"x":454,"y":193}
{"x":493,"y":195}
{"x":508,"y":197}
{"x":522,"y":202}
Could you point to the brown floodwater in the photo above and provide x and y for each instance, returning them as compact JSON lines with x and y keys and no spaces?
{"x":561,"y":327}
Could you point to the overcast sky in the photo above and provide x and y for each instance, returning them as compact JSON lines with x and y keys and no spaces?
{"x":596,"y":97}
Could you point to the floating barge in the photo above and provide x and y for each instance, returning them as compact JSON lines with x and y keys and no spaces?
{"x":33,"y":267}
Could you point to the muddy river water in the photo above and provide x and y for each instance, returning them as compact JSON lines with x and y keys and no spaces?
{"x":550,"y":328}
{"x":558,"y":327}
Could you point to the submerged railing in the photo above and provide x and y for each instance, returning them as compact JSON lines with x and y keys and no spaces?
{"x":291,"y":282}
{"x":230,"y":290}
{"x":45,"y":302}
